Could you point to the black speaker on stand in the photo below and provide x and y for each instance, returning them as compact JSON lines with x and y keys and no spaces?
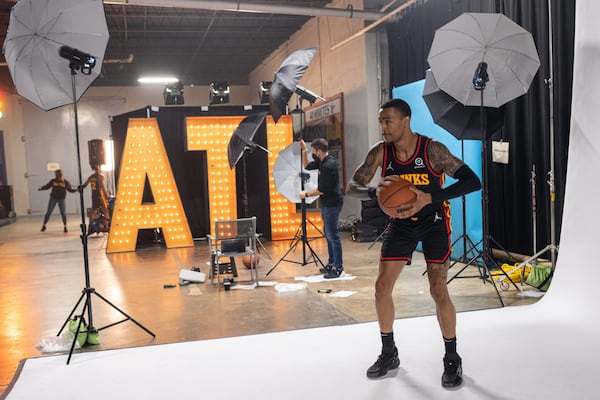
{"x":96,"y":152}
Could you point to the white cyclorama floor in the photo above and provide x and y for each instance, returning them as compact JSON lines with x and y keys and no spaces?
{"x":526,"y":352}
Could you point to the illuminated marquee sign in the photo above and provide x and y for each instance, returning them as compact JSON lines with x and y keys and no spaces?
{"x":144,"y":156}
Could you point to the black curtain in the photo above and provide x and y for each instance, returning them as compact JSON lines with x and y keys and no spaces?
{"x":527,"y":119}
{"x":190,"y":167}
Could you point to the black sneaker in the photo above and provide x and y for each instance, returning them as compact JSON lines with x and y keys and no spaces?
{"x":65,"y":230}
{"x":333,"y":273}
{"x":385,"y":362}
{"x":325,"y":269}
{"x":43,"y":228}
{"x":452,"y":376}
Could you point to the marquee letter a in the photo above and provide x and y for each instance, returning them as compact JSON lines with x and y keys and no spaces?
{"x":144,"y":156}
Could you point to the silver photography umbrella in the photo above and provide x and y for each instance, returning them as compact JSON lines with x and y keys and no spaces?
{"x":472,"y":38}
{"x":287,"y":78}
{"x":37,"y":30}
{"x":287,"y":174}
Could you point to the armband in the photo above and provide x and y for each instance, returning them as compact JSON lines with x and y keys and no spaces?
{"x":372,"y":193}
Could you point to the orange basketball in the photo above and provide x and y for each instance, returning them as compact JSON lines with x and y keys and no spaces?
{"x":247,"y":261}
{"x":395,"y":195}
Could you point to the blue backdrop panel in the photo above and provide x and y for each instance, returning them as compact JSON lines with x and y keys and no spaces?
{"x":467,"y":150}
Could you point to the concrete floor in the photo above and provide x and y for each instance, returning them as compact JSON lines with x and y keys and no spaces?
{"x":43,"y":277}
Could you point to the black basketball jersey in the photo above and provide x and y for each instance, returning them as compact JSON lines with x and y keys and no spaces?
{"x":419,"y":172}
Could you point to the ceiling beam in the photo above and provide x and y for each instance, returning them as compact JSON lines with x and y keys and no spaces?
{"x":265,"y":8}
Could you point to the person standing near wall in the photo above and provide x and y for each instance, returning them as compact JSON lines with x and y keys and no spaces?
{"x":331,"y":198}
{"x":414,"y":157}
{"x":59,"y":186}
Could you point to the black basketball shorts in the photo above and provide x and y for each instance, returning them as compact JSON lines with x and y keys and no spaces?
{"x":403,"y":235}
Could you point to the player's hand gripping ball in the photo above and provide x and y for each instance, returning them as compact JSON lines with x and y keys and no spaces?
{"x":395,"y":196}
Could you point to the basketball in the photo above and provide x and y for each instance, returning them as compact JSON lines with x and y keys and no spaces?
{"x":247,"y":261}
{"x":395,"y":195}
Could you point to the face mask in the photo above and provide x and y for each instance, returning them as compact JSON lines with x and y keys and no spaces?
{"x":315,"y":158}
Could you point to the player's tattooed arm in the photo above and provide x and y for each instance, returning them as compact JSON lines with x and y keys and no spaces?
{"x":442,"y":160}
{"x":358,"y":186}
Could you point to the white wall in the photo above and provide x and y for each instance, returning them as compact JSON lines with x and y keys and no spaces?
{"x":12,"y":126}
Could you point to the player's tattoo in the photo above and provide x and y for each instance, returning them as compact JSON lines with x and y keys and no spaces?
{"x":442,"y":268}
{"x":358,"y":184}
{"x":364,"y":173}
{"x":441,"y":159}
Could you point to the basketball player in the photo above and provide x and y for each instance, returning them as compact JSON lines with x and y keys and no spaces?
{"x":427,"y":219}
{"x":99,"y":197}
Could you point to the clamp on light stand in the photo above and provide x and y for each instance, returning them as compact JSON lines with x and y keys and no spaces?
{"x":307,"y":95}
{"x":78,"y":60}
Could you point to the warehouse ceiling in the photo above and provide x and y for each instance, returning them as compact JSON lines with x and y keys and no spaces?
{"x":197,"y":45}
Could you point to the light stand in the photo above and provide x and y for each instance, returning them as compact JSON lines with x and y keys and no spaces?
{"x":467,"y":243}
{"x":479,"y":82}
{"x":250,"y":149}
{"x":302,"y":237}
{"x":551,"y":247}
{"x":85,"y":62}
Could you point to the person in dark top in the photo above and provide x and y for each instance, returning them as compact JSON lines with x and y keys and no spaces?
{"x":331,"y":201}
{"x":99,"y":198}
{"x":59,"y":187}
{"x":422,"y":161}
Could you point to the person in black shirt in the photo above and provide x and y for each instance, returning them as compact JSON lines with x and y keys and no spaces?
{"x":331,"y":201}
{"x":59,"y":187}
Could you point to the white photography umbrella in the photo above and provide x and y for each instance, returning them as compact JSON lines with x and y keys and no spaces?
{"x":287,"y":174}
{"x":37,"y":30}
{"x":472,"y":38}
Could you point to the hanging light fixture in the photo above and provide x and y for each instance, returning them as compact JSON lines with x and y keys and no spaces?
{"x":173,"y":93}
{"x":264,"y":90}
{"x":219,"y":93}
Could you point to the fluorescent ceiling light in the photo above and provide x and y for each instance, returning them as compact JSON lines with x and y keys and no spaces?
{"x":157,"y":79}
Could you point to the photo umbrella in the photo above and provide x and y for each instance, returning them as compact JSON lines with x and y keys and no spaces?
{"x":37,"y":30}
{"x":460,"y":46}
{"x":463,"y":122}
{"x":47,"y":43}
{"x":287,"y":78}
{"x":288,"y":175}
{"x":485,"y":60}
{"x":242,"y":140}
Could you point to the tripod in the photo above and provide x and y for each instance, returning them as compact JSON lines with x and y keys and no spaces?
{"x":302,"y":237}
{"x":484,"y":255}
{"x":87,"y":291}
